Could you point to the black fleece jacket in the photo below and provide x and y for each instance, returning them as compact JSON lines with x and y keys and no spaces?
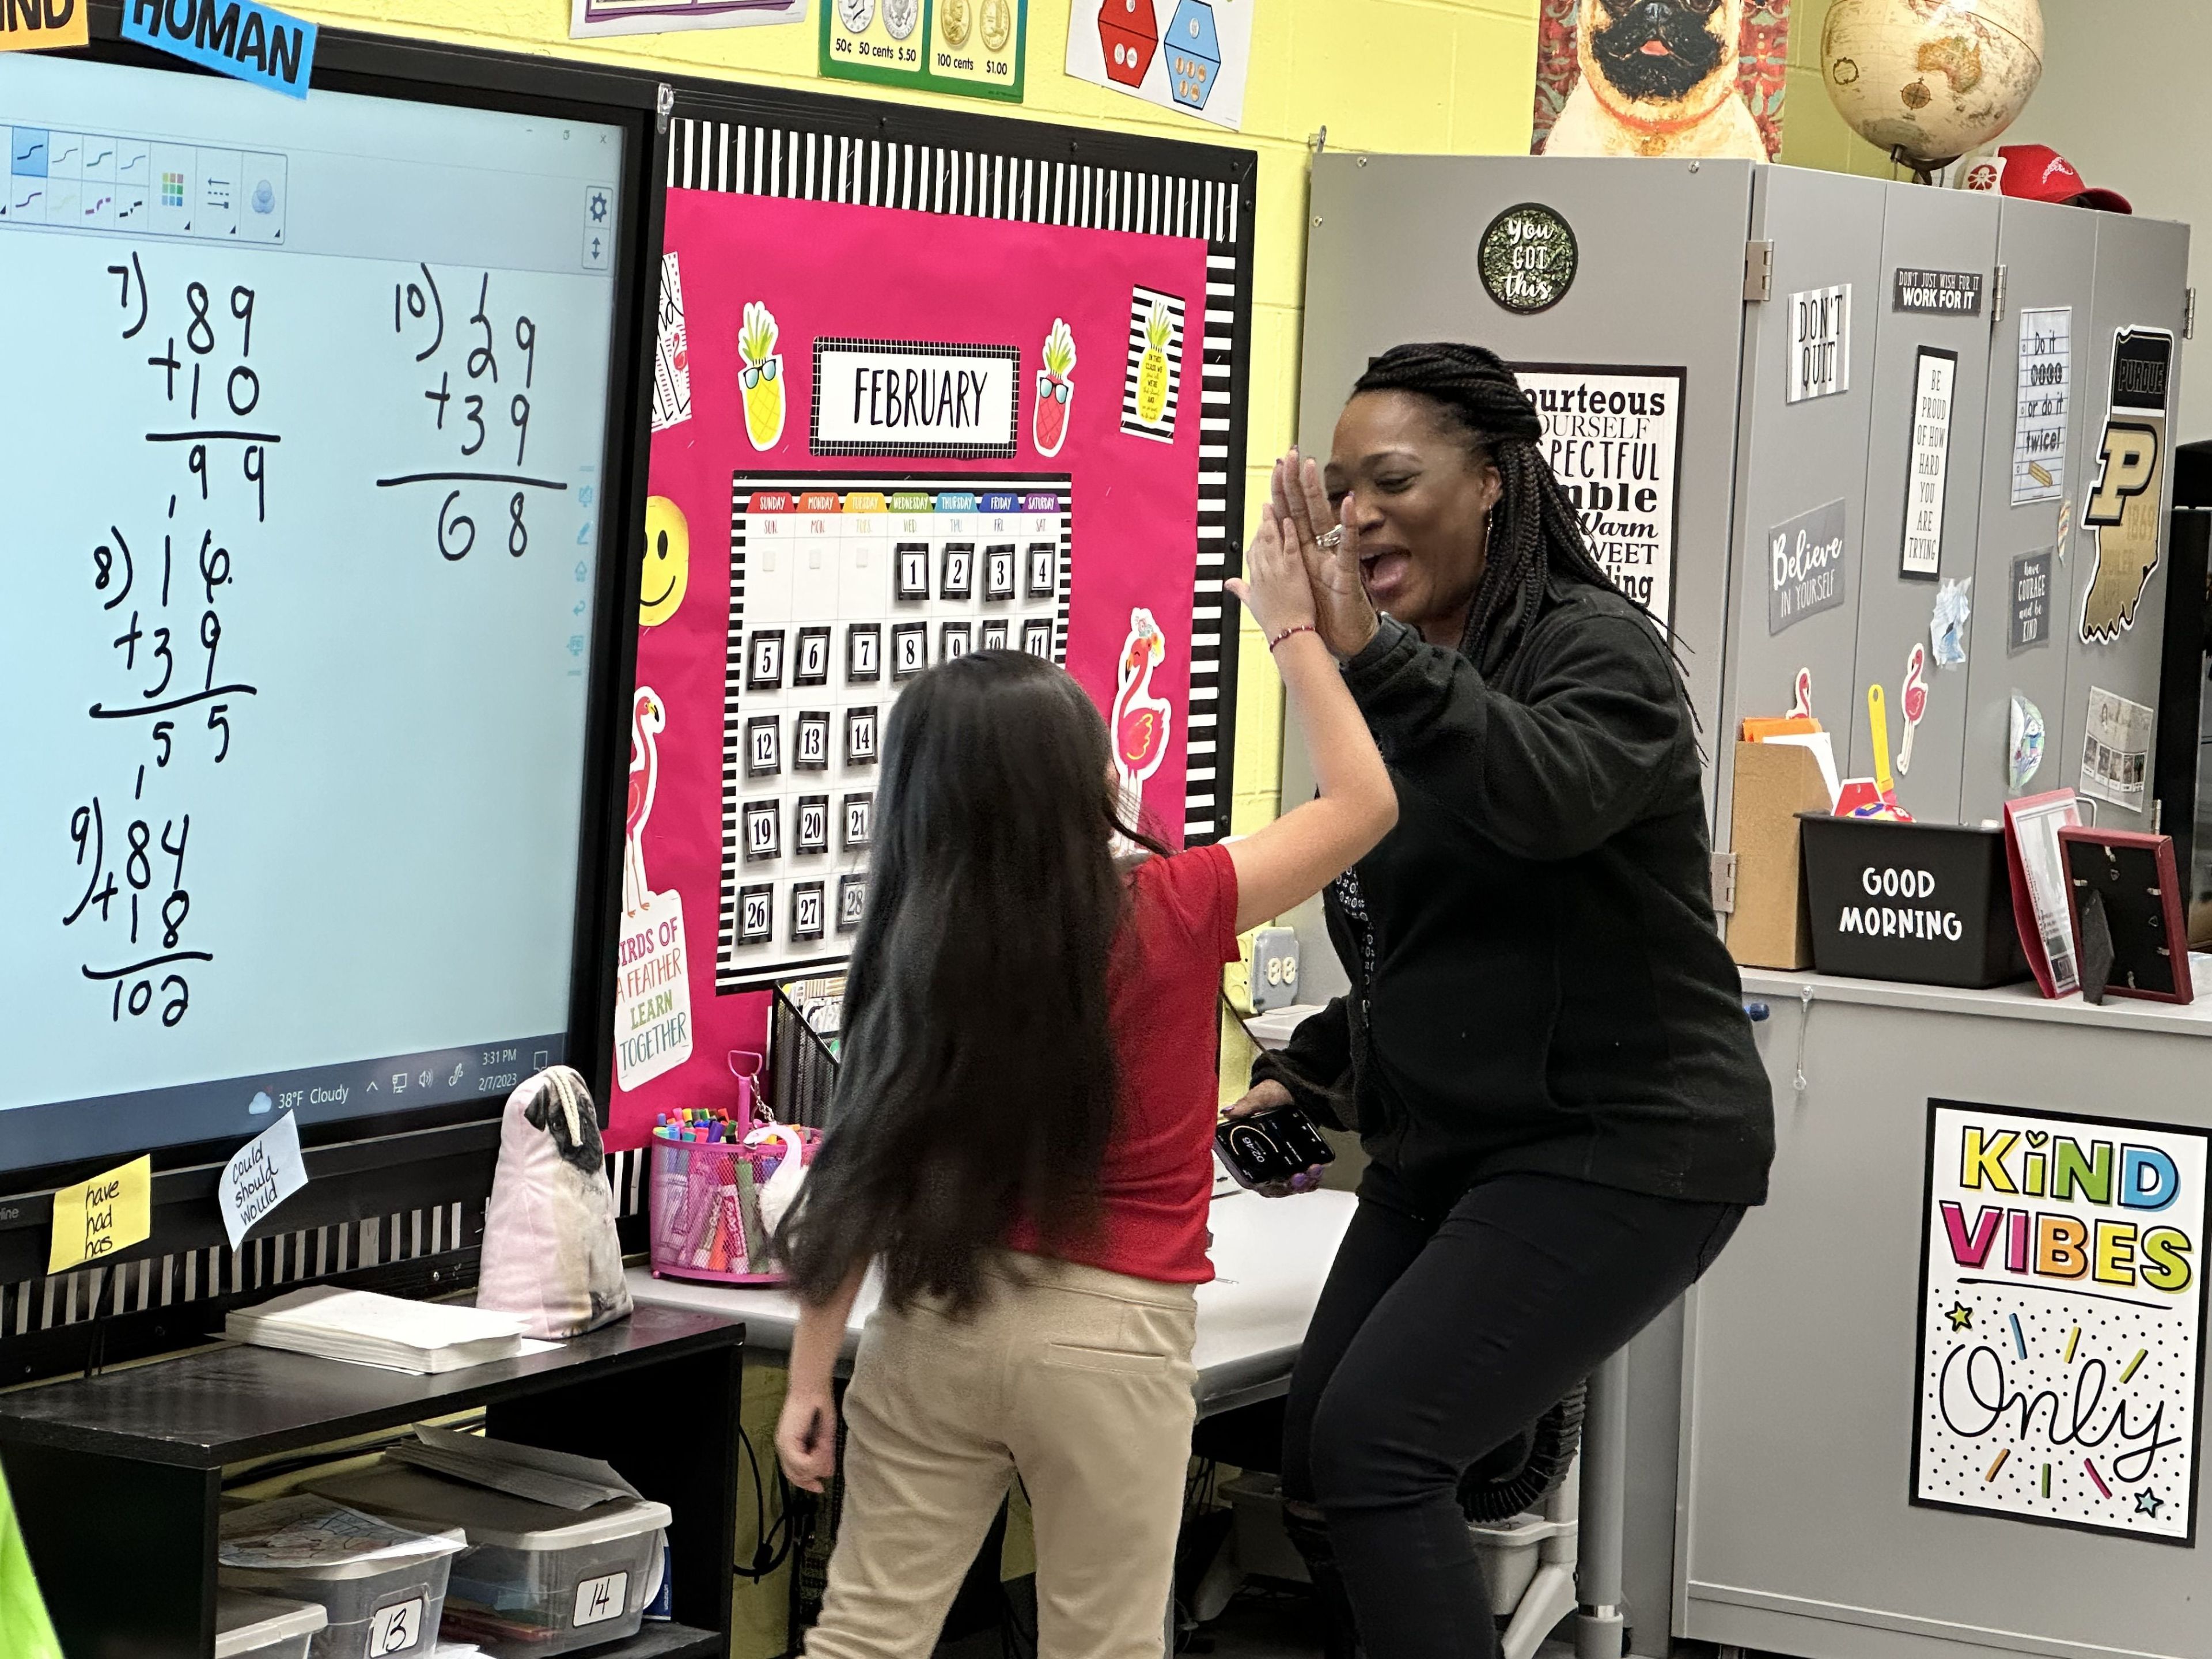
{"x":1537,"y":984}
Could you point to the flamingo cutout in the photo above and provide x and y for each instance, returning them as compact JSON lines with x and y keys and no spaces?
{"x":782,"y":1187}
{"x":1139,"y":718}
{"x":649,"y":718}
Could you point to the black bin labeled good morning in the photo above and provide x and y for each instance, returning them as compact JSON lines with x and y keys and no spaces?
{"x":1930,"y":903}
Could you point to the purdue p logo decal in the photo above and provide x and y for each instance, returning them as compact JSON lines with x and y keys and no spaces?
{"x":2122,"y":507}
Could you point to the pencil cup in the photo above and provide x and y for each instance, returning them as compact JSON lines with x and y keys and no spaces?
{"x":715,"y":1204}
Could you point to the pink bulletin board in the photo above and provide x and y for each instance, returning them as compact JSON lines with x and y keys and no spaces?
{"x":885,"y":433}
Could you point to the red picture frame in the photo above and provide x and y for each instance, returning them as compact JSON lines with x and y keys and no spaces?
{"x":2153,"y":908}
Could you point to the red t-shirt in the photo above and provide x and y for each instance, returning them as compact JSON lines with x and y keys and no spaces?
{"x":1163,"y":989}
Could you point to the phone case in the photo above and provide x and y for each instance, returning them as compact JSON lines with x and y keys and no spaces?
{"x":1272,"y":1147}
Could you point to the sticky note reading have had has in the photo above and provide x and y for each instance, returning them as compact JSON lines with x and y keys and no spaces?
{"x":108,"y":1213}
{"x":236,"y":38}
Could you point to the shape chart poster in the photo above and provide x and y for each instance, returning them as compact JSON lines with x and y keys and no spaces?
{"x":906,"y":440}
{"x":2061,"y":1358}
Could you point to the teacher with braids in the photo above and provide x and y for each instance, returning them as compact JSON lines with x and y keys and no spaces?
{"x":1544,"y":1049}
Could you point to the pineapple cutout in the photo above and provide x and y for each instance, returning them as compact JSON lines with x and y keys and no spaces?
{"x":1055,"y":390}
{"x":1153,"y":393}
{"x":761,"y":377}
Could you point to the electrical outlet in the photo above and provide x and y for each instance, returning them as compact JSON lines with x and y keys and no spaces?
{"x":1274,"y":969}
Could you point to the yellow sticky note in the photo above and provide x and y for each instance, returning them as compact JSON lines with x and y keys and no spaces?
{"x":108,"y":1213}
{"x":35,"y":25}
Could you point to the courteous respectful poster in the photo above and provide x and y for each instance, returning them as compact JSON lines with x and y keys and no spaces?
{"x":2061,"y":1361}
{"x":884,"y":437}
{"x":1613,"y":437}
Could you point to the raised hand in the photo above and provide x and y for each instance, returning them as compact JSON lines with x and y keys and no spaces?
{"x":1328,"y":541}
{"x":1275,"y":587}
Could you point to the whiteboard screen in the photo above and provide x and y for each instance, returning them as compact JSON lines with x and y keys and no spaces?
{"x":299,"y":532}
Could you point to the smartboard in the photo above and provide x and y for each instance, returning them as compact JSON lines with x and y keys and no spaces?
{"x":300,"y":518}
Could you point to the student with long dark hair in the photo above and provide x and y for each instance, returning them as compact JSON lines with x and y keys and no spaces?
{"x":1543,"y":1047}
{"x":1022,"y":1138}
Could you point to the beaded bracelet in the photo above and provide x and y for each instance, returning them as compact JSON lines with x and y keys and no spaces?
{"x":1295,"y":628}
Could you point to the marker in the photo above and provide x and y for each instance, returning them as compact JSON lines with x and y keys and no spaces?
{"x":1878,"y":724}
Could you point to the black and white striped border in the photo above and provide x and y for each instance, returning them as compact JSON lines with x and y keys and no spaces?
{"x":786,"y":159}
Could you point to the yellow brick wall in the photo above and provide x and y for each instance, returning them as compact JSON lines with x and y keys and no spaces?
{"x":1812,"y":133}
{"x":1393,"y":75}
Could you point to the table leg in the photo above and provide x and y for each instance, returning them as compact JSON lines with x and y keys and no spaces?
{"x":1599,"y":1627}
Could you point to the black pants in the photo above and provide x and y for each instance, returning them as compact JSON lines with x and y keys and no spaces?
{"x":1439,"y":1337}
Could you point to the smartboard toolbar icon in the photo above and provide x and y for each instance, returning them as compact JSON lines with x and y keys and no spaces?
{"x":173,"y":190}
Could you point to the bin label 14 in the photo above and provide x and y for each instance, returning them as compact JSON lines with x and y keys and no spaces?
{"x":599,"y":1600}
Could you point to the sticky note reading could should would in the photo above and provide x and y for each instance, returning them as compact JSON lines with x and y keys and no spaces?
{"x":266,"y":1171}
{"x":108,"y":1213}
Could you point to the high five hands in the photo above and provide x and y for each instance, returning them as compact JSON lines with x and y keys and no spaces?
{"x":1302,"y":566}
{"x":1327,"y":541}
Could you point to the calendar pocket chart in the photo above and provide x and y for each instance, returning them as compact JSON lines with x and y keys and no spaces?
{"x":844,"y":587}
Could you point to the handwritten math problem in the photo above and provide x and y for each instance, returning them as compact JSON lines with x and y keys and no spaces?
{"x":479,"y":411}
{"x":133,"y":919}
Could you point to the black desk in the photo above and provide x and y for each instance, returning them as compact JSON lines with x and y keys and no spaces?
{"x":118,"y":1478}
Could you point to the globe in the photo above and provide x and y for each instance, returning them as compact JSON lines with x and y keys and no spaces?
{"x":1929,"y":80}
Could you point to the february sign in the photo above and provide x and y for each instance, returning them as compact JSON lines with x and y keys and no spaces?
{"x":902,"y":398}
{"x":2061,"y":1319}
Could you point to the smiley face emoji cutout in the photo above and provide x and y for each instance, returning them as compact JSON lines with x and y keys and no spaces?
{"x":667,"y":561}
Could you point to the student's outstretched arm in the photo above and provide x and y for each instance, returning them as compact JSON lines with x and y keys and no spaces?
{"x":1293,"y":858}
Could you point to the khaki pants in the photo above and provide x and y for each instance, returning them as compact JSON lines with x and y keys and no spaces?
{"x":1080,"y":1382}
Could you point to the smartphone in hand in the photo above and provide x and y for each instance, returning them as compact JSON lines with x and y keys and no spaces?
{"x":1270,"y":1148}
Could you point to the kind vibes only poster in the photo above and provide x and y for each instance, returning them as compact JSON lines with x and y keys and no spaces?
{"x":2062,"y":1320}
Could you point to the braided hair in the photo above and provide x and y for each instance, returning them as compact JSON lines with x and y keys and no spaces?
{"x":1535,"y":535}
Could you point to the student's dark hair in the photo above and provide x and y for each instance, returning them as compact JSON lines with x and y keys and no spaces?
{"x":976,"y":1081}
{"x":1535,"y":536}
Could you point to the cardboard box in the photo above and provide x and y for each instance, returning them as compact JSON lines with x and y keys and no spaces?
{"x":1771,"y":927}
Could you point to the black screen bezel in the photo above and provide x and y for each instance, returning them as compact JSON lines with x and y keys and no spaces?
{"x":431,"y":72}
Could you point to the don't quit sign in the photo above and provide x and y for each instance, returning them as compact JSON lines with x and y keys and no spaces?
{"x":1820,"y":342}
{"x":2061,"y":1319}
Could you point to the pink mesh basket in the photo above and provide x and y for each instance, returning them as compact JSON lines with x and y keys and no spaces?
{"x":705,"y":1208}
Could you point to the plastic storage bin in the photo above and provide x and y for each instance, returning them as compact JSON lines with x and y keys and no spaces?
{"x":535,"y":1580}
{"x":1930,"y":903}
{"x":381,"y":1587}
{"x":259,"y":1627}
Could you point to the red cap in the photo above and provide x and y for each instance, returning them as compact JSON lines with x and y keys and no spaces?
{"x":2037,"y":173}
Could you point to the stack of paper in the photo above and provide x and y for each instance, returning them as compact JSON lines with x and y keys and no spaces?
{"x":561,"y":1478}
{"x":369,"y":1330}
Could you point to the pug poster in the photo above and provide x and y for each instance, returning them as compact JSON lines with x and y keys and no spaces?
{"x":1660,"y":77}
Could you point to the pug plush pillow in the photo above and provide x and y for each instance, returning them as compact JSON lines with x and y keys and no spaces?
{"x":1658,"y":78}
{"x":550,"y":1256}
